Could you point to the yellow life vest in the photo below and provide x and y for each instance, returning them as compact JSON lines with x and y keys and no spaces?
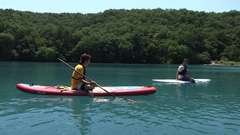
{"x":76,"y":76}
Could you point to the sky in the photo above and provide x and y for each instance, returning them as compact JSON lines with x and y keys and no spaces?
{"x":96,"y":6}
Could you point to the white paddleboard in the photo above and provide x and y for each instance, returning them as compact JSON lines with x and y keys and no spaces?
{"x":179,"y":81}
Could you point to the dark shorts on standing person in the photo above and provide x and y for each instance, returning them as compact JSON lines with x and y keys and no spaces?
{"x":185,"y":78}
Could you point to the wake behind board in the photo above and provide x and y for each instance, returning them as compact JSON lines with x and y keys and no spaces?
{"x":117,"y":90}
{"x":179,"y":81}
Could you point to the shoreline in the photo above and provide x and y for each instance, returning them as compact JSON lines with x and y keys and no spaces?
{"x":223,"y":63}
{"x":213,"y":63}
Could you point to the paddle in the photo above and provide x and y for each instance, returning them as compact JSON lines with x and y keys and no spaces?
{"x":89,"y":79}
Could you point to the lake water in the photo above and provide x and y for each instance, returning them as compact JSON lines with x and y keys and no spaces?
{"x":187,"y":109}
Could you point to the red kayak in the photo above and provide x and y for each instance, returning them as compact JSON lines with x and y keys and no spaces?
{"x":63,"y":90}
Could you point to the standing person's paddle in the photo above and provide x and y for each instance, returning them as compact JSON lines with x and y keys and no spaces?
{"x":90,"y":80}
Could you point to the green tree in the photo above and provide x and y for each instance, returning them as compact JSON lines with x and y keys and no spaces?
{"x":131,"y":36}
{"x":232,"y":53}
{"x":6,"y":46}
{"x":46,"y":54}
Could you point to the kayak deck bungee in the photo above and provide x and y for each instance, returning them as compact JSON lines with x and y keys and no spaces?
{"x":63,"y":90}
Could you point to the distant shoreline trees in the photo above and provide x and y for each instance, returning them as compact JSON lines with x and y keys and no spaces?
{"x":125,"y":36}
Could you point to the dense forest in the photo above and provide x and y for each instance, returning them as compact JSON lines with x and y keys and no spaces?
{"x":125,"y":36}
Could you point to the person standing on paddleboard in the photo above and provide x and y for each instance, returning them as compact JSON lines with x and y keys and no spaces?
{"x":183,"y":71}
{"x":78,"y":81}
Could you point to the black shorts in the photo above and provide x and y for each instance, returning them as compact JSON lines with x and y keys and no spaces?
{"x":185,"y":78}
{"x":80,"y":86}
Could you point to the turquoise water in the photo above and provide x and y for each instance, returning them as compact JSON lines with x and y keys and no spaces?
{"x":187,"y":109}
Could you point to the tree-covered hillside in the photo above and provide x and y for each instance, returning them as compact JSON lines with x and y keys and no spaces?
{"x":126,"y":36}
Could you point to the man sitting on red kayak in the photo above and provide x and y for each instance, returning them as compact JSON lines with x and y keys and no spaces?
{"x":183,"y":71}
{"x":79,"y":82}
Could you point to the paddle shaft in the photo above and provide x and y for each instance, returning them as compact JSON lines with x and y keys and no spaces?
{"x":85,"y":77}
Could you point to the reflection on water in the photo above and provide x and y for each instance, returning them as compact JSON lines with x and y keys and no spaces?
{"x":181,"y":89}
{"x":83,"y":113}
{"x":188,"y":110}
{"x":199,"y":109}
